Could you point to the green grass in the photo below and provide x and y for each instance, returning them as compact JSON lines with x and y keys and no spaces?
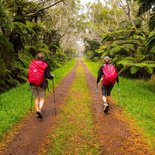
{"x":16,"y":103}
{"x":74,"y":132}
{"x":138,"y":100}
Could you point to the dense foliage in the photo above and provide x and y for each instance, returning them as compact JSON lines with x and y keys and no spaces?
{"x":124,"y":30}
{"x":28,"y":27}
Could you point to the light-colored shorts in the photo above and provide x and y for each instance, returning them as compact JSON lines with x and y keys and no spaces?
{"x":38,"y":91}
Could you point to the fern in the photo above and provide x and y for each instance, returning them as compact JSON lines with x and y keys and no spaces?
{"x":151,"y":41}
{"x":4,"y":70}
{"x":105,"y":53}
{"x":150,"y":70}
{"x":133,"y":70}
{"x":23,"y":29}
{"x":152,"y":22}
{"x":107,"y":38}
{"x":153,"y":50}
{"x":116,"y":49}
{"x":6,"y":50}
{"x":101,"y":49}
{"x":5,"y":18}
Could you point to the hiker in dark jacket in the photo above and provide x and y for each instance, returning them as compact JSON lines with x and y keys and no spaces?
{"x":107,"y":86}
{"x":38,"y":82}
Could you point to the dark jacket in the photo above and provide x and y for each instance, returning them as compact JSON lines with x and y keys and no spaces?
{"x":100,"y":74}
{"x":47,"y":75}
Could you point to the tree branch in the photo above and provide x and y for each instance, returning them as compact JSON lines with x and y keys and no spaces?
{"x":46,"y":7}
{"x":127,"y":12}
{"x":123,"y":69}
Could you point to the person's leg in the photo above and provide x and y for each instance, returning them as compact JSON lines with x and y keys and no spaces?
{"x":109,"y":89}
{"x":36,"y":95}
{"x":108,"y":97}
{"x":104,"y":93}
{"x":35,"y":92}
{"x":104,"y":98}
{"x":37,"y":99}
{"x":41,"y":92}
{"x":41,"y":103}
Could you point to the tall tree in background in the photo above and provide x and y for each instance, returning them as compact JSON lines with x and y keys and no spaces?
{"x":148,"y":6}
{"x":123,"y":36}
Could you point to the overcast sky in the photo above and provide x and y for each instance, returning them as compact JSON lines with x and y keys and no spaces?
{"x":86,"y":1}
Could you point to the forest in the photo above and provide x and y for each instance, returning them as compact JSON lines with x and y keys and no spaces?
{"x":122,"y":29}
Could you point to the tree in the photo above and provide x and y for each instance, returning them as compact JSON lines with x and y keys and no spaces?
{"x":127,"y":39}
{"x":31,"y":26}
{"x":148,"y":6}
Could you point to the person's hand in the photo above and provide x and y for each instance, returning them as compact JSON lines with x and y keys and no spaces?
{"x":117,"y":80}
{"x":52,"y":76}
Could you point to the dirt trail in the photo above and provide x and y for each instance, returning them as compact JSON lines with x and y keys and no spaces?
{"x":116,"y":136}
{"x":30,"y":137}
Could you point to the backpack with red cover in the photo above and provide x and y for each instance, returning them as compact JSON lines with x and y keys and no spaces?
{"x":36,"y":72}
{"x":109,"y":74}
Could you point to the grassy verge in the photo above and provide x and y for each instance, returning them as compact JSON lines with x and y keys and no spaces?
{"x":137,"y":100}
{"x":74,"y":128}
{"x":15,"y":104}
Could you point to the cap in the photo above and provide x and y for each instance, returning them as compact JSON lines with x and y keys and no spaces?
{"x":40,"y":56}
{"x":107,"y":58}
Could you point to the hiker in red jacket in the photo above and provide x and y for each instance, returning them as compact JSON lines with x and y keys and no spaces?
{"x":38,"y":73}
{"x":109,"y":76}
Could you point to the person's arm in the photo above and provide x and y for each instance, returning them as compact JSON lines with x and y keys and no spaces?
{"x":47,"y":73}
{"x":100,"y":73}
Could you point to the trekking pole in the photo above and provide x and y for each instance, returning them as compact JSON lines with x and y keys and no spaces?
{"x":30,"y":87}
{"x":54,"y":95}
{"x":119,"y":94}
{"x":31,"y":101}
{"x":97,"y":89}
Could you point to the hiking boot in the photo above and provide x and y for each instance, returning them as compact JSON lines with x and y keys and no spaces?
{"x":39,"y":115}
{"x":106,"y":107}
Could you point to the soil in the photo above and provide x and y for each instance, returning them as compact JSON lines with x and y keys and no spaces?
{"x":116,"y":134}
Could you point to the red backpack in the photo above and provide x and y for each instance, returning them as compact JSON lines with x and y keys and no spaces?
{"x":36,"y":72}
{"x":109,"y":74}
